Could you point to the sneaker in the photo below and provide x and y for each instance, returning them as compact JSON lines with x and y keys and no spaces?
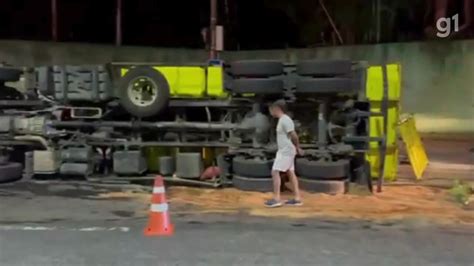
{"x":293,"y":202}
{"x":273,"y":203}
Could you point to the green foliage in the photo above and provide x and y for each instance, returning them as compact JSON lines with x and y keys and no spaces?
{"x":461,"y":192}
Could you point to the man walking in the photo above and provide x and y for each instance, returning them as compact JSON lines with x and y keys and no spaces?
{"x":288,"y":147}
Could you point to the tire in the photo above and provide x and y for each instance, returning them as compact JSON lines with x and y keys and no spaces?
{"x":253,"y":184}
{"x":332,"y":187}
{"x":10,"y":172}
{"x":256,"y":68}
{"x":324,"y":68}
{"x":136,"y":106}
{"x":258,"y":86}
{"x":326,"y":85}
{"x":9,"y":74}
{"x":253,"y":167}
{"x":322,"y":170}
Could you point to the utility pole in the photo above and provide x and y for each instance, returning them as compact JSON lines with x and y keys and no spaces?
{"x":378,"y":21}
{"x":118,"y":23}
{"x":213,"y":50}
{"x":54,"y":20}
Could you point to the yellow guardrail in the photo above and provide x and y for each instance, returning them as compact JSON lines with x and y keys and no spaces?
{"x":414,"y":146}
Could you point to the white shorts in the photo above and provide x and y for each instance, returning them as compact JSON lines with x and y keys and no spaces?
{"x":284,"y":163}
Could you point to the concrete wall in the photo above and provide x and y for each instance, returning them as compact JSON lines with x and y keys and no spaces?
{"x":25,"y":53}
{"x":438,"y":77}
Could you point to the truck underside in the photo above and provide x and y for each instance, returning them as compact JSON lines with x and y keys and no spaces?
{"x":98,"y":120}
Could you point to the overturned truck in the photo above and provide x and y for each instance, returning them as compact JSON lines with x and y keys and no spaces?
{"x":97,"y":120}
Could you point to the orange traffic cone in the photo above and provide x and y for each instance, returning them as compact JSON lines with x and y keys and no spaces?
{"x":159,"y":223}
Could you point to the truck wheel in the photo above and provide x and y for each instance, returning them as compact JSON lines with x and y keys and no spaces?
{"x":323,"y":68}
{"x":10,"y":172}
{"x":253,"y":184}
{"x":256,"y":68}
{"x":252,"y":167}
{"x":144,"y":91}
{"x":258,"y":86}
{"x":326,"y":85}
{"x":9,"y":74}
{"x":332,"y":187}
{"x":322,"y":170}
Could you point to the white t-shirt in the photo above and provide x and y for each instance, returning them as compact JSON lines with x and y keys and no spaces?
{"x":285,"y":146}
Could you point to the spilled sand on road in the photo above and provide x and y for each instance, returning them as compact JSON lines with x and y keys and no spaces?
{"x":395,"y":203}
{"x":141,"y":196}
{"x":124,"y":195}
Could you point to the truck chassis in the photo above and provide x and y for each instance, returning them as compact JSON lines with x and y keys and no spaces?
{"x":89,"y":120}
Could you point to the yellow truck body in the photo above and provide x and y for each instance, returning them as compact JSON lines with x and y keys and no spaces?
{"x":193,"y":81}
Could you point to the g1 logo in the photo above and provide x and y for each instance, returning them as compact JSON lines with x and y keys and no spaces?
{"x":444,"y":26}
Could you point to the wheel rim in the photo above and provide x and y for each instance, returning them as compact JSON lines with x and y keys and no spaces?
{"x":142,"y":91}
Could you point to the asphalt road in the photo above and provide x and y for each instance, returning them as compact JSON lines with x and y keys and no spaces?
{"x":57,"y":224}
{"x":252,"y":242}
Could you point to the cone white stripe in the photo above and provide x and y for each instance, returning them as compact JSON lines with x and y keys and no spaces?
{"x":162,"y":207}
{"x":158,"y":190}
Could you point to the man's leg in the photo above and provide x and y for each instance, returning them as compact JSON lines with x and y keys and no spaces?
{"x":294,"y":182}
{"x":278,"y":164}
{"x":276,"y":184}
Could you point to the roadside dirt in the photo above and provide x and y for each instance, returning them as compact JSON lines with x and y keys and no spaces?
{"x":427,"y":200}
{"x":395,"y":203}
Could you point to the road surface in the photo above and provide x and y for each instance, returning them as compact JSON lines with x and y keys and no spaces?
{"x":65,"y":225}
{"x":219,"y":241}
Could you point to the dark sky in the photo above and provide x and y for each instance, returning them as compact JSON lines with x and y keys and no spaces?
{"x":145,"y":22}
{"x":149,"y":22}
{"x":249,"y":24}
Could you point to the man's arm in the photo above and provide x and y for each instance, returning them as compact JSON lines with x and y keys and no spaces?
{"x":296,"y":141}
{"x":289,"y":127}
{"x":294,"y":138}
